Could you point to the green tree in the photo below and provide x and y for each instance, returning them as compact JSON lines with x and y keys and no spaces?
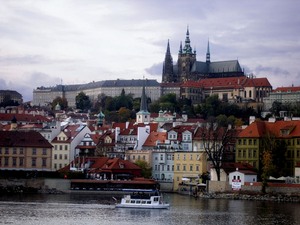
{"x":83,"y":102}
{"x":61,"y":101}
{"x":266,"y":169}
{"x":146,"y":169}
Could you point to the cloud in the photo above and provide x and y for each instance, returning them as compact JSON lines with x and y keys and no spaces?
{"x":273,"y":70}
{"x":155,"y":69}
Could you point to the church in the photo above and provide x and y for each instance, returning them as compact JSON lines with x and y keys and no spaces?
{"x":188,"y":68}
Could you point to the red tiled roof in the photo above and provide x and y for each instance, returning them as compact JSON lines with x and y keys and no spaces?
{"x":23,"y":139}
{"x":23,"y":117}
{"x":260,"y":128}
{"x":231,"y":167}
{"x":154,"y":137}
{"x":257,"y":82}
{"x":105,"y":164}
{"x":287,"y":89}
{"x":228,"y":82}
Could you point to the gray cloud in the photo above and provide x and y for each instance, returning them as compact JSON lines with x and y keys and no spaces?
{"x":155,"y":69}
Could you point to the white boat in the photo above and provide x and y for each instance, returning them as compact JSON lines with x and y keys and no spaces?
{"x":143,"y":201}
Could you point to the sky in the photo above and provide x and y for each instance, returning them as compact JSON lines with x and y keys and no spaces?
{"x":45,"y":43}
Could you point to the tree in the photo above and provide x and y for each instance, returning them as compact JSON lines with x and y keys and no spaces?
{"x":216,"y":139}
{"x":63,"y":103}
{"x":146,"y":169}
{"x":266,"y":169}
{"x":83,"y":102}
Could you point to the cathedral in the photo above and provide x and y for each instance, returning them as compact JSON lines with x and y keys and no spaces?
{"x":188,"y":68}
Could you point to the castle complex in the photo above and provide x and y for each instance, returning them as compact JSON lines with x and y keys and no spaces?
{"x":188,"y":68}
{"x":188,"y":78}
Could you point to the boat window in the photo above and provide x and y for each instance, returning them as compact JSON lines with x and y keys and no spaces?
{"x":127,"y":201}
{"x":148,"y":202}
{"x":138,"y":202}
{"x":156,"y":199}
{"x":132,"y":201}
{"x":143,"y":202}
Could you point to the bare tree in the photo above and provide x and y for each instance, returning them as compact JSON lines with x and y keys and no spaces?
{"x":216,"y":141}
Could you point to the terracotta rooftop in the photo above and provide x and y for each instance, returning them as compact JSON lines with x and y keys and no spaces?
{"x":23,"y":139}
{"x":155,"y":137}
{"x":282,"y":129}
{"x":23,"y":118}
{"x":287,"y":89}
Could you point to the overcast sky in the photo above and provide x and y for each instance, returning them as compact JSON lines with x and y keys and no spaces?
{"x":45,"y":43}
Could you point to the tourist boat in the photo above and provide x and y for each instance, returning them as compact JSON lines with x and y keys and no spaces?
{"x":143,"y":201}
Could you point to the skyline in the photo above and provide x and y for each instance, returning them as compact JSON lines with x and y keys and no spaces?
{"x":73,"y":42}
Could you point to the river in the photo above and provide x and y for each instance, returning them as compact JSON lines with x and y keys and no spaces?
{"x":89,"y":209}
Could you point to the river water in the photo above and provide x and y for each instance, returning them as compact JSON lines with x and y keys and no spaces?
{"x":89,"y":209}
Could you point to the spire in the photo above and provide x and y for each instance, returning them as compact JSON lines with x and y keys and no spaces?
{"x":208,"y":53}
{"x":187,"y":47}
{"x":180,"y":48}
{"x":168,"y":49}
{"x":167,"y":73}
{"x":143,"y":100}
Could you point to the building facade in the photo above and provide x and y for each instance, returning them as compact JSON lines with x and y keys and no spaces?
{"x":43,"y":96}
{"x":24,"y":150}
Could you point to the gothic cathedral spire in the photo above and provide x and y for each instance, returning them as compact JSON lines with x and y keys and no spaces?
{"x":168,"y":74}
{"x":208,"y":53}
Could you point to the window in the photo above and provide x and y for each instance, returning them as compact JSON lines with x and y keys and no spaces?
{"x":161,"y":157}
{"x":33,"y":162}
{"x":183,"y":157}
{"x":162,"y":168}
{"x":66,"y":147}
{"x":178,"y":167}
{"x":21,"y":161}
{"x":34,"y":151}
{"x":184,"y":167}
{"x":254,"y":142}
{"x":191,"y":157}
{"x":155,"y":167}
{"x":14,"y":151}
{"x":60,"y":156}
{"x":0,"y":150}
{"x":55,"y":156}
{"x":168,"y":167}
{"x":197,"y":167}
{"x":178,"y":156}
{"x":60,"y":147}
{"x":44,"y":162}
{"x":44,"y":151}
{"x":172,"y":167}
{"x":14,"y":161}
{"x":191,"y":167}
{"x":254,"y":153}
{"x":6,"y":160}
{"x":250,"y":141}
{"x":21,"y":151}
{"x":66,"y":156}
{"x":6,"y":151}
{"x":55,"y":147}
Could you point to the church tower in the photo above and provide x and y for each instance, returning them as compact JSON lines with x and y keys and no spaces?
{"x":168,"y":74}
{"x":207,"y":54}
{"x":186,"y":59}
{"x":143,"y":116}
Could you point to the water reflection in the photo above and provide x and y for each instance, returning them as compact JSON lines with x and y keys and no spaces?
{"x":99,"y":209}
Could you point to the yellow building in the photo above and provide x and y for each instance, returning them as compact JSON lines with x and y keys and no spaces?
{"x":188,"y":166}
{"x":24,"y":150}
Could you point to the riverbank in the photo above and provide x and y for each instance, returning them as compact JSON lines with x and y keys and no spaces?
{"x":251,"y":197}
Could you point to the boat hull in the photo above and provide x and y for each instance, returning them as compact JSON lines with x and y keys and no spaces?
{"x":135,"y":206}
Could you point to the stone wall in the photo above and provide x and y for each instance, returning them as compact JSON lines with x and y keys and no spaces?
{"x":255,"y":187}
